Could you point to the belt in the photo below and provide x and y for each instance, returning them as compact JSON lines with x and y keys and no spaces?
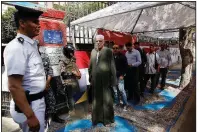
{"x":132,"y":67}
{"x":33,"y":97}
{"x":30,"y":98}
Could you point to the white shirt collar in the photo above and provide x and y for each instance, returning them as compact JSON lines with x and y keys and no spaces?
{"x":26,"y":38}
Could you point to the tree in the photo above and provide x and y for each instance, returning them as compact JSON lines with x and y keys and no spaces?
{"x":187,"y":46}
{"x":8,"y":26}
{"x":75,"y":10}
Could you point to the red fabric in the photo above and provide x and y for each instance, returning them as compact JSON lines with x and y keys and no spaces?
{"x":50,"y":24}
{"x":52,"y":13}
{"x":117,"y":37}
{"x":148,"y":49}
{"x":82,"y":59}
{"x":134,"y":39}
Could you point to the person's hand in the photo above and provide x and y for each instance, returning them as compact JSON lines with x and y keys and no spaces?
{"x":121,"y":77}
{"x":47,"y":86}
{"x":74,"y":72}
{"x":33,"y":123}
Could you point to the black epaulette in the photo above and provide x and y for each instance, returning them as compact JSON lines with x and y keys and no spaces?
{"x":21,"y":40}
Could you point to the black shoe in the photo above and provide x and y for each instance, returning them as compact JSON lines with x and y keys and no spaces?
{"x":151,"y":91}
{"x":55,"y":118}
{"x":142,"y":94}
{"x":136,"y":102}
{"x":94,"y":124}
{"x":162,"y":88}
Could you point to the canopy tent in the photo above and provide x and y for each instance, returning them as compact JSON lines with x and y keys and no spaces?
{"x":138,"y":17}
{"x":165,"y":35}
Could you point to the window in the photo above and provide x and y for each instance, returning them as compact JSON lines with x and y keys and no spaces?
{"x":82,"y":35}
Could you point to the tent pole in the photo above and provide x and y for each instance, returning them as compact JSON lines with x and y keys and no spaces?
{"x":165,"y":29}
{"x":156,"y":30}
{"x":73,"y":36}
{"x":137,"y":20}
{"x":187,"y":6}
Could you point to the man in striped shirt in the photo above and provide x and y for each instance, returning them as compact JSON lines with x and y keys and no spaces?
{"x":151,"y":69}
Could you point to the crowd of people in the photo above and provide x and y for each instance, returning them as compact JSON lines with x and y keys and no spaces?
{"x":112,"y":74}
{"x":135,"y":67}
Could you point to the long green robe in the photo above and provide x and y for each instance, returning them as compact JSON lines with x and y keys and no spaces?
{"x":103,"y":76}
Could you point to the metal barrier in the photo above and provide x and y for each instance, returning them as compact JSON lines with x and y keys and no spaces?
{"x":6,"y":97}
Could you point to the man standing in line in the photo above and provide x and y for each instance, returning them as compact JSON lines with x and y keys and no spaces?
{"x":151,"y":69}
{"x":141,"y":67}
{"x":132,"y":76}
{"x":102,"y":76}
{"x":121,"y":66}
{"x":165,"y":62}
{"x":25,"y":72}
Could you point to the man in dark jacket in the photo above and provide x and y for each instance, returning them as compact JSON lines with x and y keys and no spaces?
{"x":141,"y":67}
{"x":121,"y":66}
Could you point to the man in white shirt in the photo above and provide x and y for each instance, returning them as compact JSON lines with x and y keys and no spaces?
{"x":151,"y":69}
{"x":25,"y":72}
{"x":165,"y":62}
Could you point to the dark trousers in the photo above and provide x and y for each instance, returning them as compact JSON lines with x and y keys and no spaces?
{"x":163,"y":73}
{"x":70,"y":100}
{"x":153,"y":81}
{"x":141,"y":78}
{"x":132,"y":78}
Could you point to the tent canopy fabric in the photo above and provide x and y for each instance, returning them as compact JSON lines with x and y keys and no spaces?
{"x":136,"y":17}
{"x":170,"y":35}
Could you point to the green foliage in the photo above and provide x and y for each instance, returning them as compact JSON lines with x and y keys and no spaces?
{"x":8,"y":29}
{"x":75,"y":10}
{"x":8,"y":13}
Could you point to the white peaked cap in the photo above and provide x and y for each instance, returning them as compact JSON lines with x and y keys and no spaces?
{"x":99,"y":36}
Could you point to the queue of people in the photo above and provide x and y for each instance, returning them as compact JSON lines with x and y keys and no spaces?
{"x":137,"y":67}
{"x":119,"y":73}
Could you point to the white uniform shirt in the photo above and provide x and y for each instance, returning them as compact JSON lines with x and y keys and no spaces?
{"x":150,"y":65}
{"x":24,"y":59}
{"x":165,"y":59}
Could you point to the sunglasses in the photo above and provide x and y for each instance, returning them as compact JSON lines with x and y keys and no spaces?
{"x":115,"y":48}
{"x":99,"y":41}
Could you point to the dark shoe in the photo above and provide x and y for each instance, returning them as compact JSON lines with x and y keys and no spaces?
{"x":151,"y":91}
{"x":142,"y":94}
{"x":162,"y":88}
{"x":55,"y":118}
{"x":137,"y":102}
{"x":94,"y":124}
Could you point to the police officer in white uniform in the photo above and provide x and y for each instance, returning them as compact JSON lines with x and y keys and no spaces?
{"x":25,"y":72}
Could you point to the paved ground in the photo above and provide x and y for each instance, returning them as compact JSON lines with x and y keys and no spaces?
{"x":189,"y":125}
{"x":187,"y":121}
{"x":8,"y":125}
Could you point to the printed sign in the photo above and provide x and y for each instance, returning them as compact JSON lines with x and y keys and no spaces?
{"x":53,"y":37}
